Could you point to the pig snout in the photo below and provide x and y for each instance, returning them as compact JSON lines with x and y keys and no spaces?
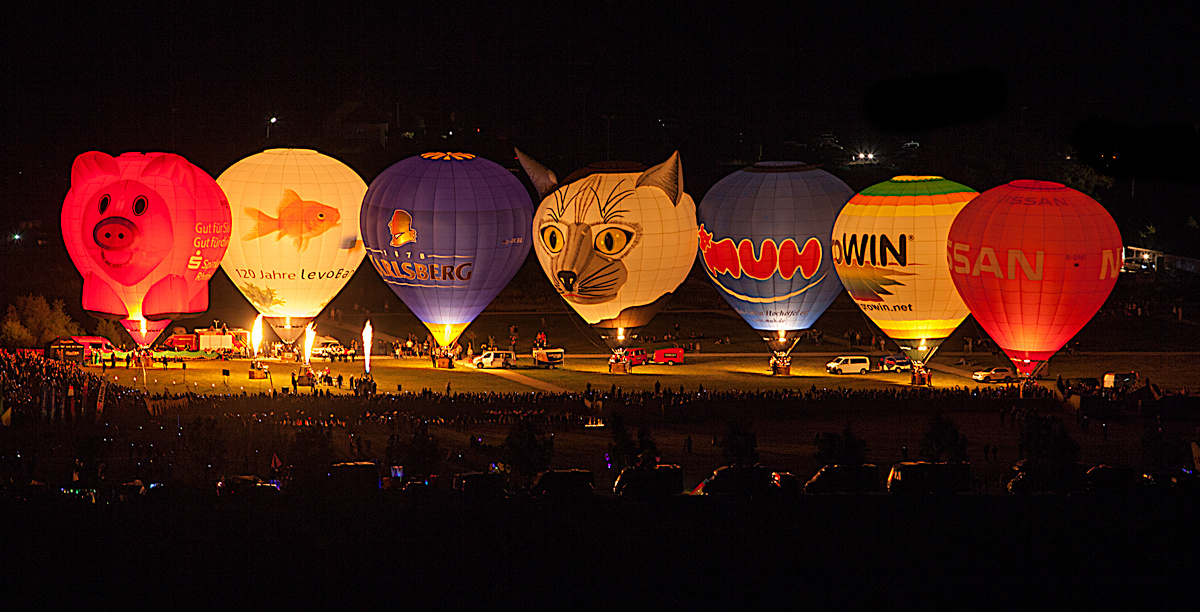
{"x":115,"y":234}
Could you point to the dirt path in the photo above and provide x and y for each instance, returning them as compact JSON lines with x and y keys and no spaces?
{"x":525,"y":380}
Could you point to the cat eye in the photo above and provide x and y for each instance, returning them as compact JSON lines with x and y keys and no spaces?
{"x":613,"y":240}
{"x":553,"y":239}
{"x":139,"y":205}
{"x":104,"y":204}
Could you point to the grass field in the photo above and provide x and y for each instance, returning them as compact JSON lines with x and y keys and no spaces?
{"x":715,"y":372}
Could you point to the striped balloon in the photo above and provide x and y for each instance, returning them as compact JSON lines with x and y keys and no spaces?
{"x":889,"y":246}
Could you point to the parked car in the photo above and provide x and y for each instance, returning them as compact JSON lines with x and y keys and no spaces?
{"x":1004,"y":374}
{"x":662,"y":480}
{"x":480,"y":485}
{"x":849,"y":365}
{"x":1120,"y":380}
{"x":924,"y":477}
{"x":895,"y":363}
{"x":247,"y":486}
{"x":637,"y":356}
{"x":494,"y":359}
{"x":739,"y":481}
{"x":565,"y":483}
{"x":789,"y":485}
{"x":1117,"y":479}
{"x":836,"y":478}
{"x":1032,"y":478}
{"x":669,"y":356}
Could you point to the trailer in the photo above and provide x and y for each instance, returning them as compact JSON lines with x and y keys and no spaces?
{"x":548,"y":358}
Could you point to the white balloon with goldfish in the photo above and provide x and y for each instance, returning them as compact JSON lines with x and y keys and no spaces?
{"x":889,"y":244}
{"x":295,"y":233}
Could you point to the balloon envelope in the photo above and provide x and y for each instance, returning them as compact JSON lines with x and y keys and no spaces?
{"x":295,"y":233}
{"x":887,"y":248}
{"x":1034,"y":261}
{"x":447,"y":232}
{"x":147,"y":232}
{"x":765,"y":234}
{"x":615,"y":239}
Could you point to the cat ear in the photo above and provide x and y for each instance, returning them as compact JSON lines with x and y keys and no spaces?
{"x":543,"y":178}
{"x":667,"y":176}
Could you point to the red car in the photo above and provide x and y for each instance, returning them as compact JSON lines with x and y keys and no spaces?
{"x":637,"y":356}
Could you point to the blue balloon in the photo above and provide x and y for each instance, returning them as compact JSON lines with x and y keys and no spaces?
{"x":765,"y":234}
{"x":447,"y":232}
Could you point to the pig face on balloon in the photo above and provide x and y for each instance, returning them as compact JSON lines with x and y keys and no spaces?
{"x":146,"y":231}
{"x":130,"y":230}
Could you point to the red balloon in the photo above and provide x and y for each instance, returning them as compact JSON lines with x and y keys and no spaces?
{"x":146,"y":231}
{"x":1034,"y":261}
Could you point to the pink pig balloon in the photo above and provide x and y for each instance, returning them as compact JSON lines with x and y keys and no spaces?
{"x":146,"y":231}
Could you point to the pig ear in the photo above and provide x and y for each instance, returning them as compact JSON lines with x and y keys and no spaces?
{"x":174,"y":168}
{"x":91,"y":164}
{"x":543,"y":178}
{"x":667,"y":176}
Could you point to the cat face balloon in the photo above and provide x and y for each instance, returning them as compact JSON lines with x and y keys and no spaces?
{"x":614,"y":238}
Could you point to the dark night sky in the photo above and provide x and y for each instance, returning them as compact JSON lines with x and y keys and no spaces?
{"x":202,"y":79}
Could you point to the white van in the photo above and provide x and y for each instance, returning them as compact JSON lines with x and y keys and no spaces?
{"x":328,"y":348}
{"x":494,"y":359}
{"x":849,"y":365}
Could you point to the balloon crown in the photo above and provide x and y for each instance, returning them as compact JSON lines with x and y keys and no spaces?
{"x":915,"y":179}
{"x":780,"y":166}
{"x":1034,"y":184}
{"x":447,"y":156}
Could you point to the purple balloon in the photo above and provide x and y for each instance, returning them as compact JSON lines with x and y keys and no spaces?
{"x":447,"y":232}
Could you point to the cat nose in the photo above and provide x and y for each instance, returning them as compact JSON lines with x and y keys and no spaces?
{"x":568,"y":279}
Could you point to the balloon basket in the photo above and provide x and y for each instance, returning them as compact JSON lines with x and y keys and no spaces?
{"x":620,"y":368}
{"x":258,"y":375}
{"x":781,"y":370}
{"x":922,"y":377}
{"x":287,"y":357}
{"x":443,"y":363}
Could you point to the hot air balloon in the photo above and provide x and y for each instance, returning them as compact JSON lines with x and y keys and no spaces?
{"x":1034,"y":261}
{"x":146,"y":231}
{"x":615,"y":239}
{"x":447,"y":232}
{"x":887,"y":248}
{"x":765,"y":235}
{"x":295,"y":233}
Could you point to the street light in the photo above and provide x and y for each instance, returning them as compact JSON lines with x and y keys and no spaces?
{"x":269,"y":123}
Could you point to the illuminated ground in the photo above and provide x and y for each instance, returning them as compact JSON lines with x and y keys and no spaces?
{"x":715,"y":372}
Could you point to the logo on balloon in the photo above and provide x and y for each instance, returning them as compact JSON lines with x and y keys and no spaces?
{"x":401,"y":229}
{"x":724,"y":257}
{"x":862,"y":262}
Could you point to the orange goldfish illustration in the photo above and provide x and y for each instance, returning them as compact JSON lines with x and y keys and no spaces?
{"x":297,"y":218}
{"x":401,"y":228}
